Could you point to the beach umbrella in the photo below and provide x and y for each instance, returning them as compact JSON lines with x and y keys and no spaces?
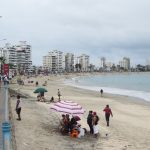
{"x":77,"y":118}
{"x":40,"y":90}
{"x":68,"y":107}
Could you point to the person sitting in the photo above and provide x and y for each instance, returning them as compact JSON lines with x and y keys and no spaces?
{"x":73,"y":123}
{"x":45,"y":84}
{"x":64,"y":124}
{"x":39,"y":97}
{"x":52,"y":99}
{"x":42,"y":97}
{"x":82,"y":131}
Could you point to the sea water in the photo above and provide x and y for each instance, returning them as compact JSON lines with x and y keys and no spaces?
{"x":127,"y":84}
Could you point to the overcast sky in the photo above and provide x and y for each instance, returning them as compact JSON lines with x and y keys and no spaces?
{"x":109,"y":28}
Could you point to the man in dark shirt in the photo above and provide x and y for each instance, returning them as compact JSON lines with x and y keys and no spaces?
{"x":89,"y":121}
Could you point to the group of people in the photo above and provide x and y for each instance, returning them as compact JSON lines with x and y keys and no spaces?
{"x":71,"y":126}
{"x":41,"y":98}
{"x":92,"y":120}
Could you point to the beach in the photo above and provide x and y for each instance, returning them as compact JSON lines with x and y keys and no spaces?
{"x":38,"y":130}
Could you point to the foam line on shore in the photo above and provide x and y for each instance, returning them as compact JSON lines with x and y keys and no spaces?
{"x":138,"y":94}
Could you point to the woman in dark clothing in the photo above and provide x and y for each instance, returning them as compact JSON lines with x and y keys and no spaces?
{"x":108,"y":112}
{"x":90,"y":121}
{"x":73,"y":123}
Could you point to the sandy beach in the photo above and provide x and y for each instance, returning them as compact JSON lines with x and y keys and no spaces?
{"x":38,"y":130}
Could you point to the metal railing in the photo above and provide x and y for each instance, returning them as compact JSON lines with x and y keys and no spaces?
{"x":6,"y":125}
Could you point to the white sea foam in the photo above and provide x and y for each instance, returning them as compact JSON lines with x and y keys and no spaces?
{"x":124,"y":92}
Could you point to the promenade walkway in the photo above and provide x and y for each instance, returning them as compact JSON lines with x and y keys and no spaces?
{"x":1,"y":115}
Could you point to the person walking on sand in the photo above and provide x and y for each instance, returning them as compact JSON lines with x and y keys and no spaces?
{"x":108,"y":112}
{"x":18,"y":107}
{"x":89,"y":121}
{"x":58,"y":94}
{"x":101,"y":91}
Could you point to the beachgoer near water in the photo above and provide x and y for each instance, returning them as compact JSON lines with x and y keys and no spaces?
{"x":89,"y":121}
{"x":58,"y":94}
{"x":18,"y":107}
{"x":101,"y":91}
{"x":95,"y":124}
{"x":108,"y":112}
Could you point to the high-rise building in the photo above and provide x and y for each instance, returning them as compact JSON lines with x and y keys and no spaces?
{"x":84,"y":61}
{"x":103,"y":62}
{"x":18,"y":55}
{"x":47,"y":62}
{"x":69,"y":62}
{"x":54,"y":61}
{"x":125,"y":63}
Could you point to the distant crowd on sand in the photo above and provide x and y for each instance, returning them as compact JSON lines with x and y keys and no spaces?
{"x":74,"y":129}
{"x":41,"y":98}
{"x":69,"y":125}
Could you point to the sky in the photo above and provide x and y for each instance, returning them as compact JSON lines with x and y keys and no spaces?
{"x":100,"y":28}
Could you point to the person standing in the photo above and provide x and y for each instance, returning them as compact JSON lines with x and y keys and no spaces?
{"x":108,"y":112}
{"x":58,"y":94}
{"x":5,"y":80}
{"x":95,"y":124}
{"x":90,"y":121}
{"x":101,"y":91}
{"x":18,"y":107}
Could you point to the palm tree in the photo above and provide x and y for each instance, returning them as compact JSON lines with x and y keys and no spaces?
{"x":2,"y":61}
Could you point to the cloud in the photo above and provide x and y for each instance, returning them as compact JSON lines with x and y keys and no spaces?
{"x":110,"y":28}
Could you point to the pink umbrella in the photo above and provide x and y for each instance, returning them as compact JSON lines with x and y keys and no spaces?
{"x":68,"y":107}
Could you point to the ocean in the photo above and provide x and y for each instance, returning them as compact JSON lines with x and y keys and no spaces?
{"x":127,"y":84}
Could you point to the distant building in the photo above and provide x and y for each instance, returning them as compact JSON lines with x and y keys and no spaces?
{"x":69,"y":62}
{"x":84,"y":61}
{"x":54,"y":61}
{"x":103,"y":62}
{"x":18,"y":55}
{"x":47,"y":62}
{"x":125,"y":63}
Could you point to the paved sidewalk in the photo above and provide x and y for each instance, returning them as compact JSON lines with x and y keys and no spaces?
{"x":1,"y":115}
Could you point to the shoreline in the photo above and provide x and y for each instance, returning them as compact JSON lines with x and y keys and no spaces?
{"x":131,"y":118}
{"x":138,"y":94}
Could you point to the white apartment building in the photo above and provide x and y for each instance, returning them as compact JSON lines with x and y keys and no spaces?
{"x":18,"y":55}
{"x":47,"y":62}
{"x":125,"y":63}
{"x":69,"y":62}
{"x":54,"y":61}
{"x":84,"y":61}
